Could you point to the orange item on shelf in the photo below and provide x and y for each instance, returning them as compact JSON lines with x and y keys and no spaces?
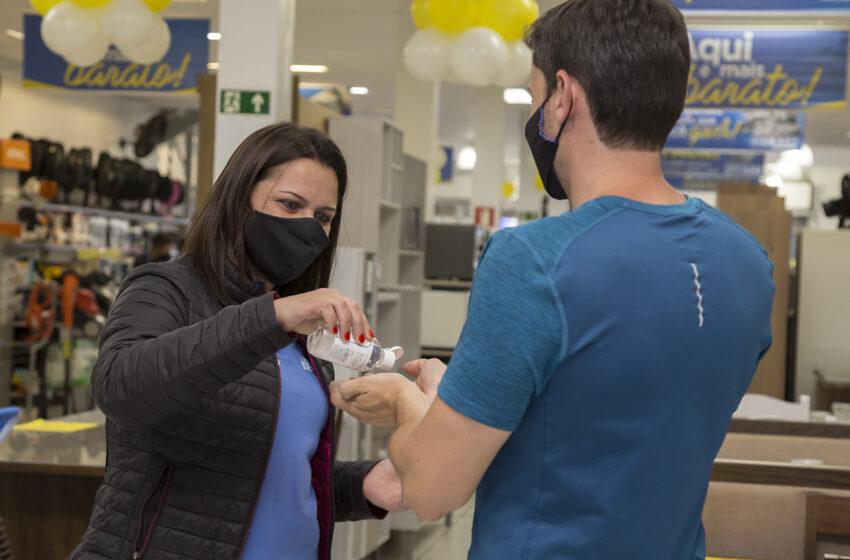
{"x":10,"y":229}
{"x":15,"y":154}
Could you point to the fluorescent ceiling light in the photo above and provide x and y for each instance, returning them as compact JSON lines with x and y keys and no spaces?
{"x":358,"y":90}
{"x":517,"y":96}
{"x":213,"y":66}
{"x":214,"y":36}
{"x":467,"y":157}
{"x":14,"y":34}
{"x":308,"y":68}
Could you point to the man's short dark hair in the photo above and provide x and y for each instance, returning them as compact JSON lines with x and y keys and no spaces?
{"x":161,"y":241}
{"x":632,"y":58}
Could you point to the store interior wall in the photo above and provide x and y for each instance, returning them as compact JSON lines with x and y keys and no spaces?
{"x":75,"y":119}
{"x":831,"y":163}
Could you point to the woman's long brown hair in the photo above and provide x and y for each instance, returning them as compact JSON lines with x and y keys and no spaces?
{"x":216,"y":234}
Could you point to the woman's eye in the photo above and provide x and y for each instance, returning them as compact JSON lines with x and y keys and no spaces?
{"x":324,"y":218}
{"x":289,"y":205}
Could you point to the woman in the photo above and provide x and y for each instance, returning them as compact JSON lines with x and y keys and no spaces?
{"x":219,"y":432}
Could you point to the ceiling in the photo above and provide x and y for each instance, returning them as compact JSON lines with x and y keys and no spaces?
{"x":361,"y":42}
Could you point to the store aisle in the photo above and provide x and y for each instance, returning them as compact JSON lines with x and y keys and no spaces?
{"x":437,"y":542}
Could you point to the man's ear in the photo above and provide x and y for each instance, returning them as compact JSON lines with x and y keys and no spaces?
{"x":564,"y":95}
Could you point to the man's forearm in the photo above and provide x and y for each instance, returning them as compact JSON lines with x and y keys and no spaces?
{"x":411,"y":409}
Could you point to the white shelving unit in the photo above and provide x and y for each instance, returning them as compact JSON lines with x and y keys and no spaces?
{"x":382,"y":218}
{"x":384,"y":215}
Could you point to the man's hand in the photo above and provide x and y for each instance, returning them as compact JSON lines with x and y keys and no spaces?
{"x":382,"y":487}
{"x":374,"y":399}
{"x":428,"y":374}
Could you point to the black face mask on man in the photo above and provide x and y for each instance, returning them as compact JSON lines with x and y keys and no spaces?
{"x":283,"y":248}
{"x":544,"y":150}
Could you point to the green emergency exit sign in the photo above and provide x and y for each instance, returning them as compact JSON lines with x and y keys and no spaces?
{"x":244,"y":102}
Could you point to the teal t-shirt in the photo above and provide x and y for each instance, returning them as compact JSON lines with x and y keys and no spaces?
{"x":614,"y":342}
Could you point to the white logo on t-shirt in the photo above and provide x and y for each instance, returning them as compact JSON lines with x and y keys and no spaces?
{"x":306,"y":365}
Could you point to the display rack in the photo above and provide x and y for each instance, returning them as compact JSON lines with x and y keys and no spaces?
{"x":115,"y":214}
{"x":383,"y":217}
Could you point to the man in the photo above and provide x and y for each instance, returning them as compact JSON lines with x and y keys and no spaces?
{"x":160,"y":249}
{"x":605,"y":349}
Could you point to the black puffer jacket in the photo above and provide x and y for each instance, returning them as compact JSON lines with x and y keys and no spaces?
{"x":190,"y":390}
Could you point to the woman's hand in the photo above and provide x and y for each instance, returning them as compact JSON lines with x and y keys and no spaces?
{"x":382,"y":487}
{"x":304,"y":313}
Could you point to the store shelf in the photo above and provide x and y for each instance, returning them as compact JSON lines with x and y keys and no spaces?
{"x":411,"y":254}
{"x":400,"y":288}
{"x":69,"y":252}
{"x":89,"y":211}
{"x":388,"y":205}
{"x":388,"y":297}
{"x":449,"y":284}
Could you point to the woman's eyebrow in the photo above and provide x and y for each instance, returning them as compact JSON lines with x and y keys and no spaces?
{"x":305,"y":201}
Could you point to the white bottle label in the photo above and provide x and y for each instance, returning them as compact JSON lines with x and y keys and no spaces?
{"x":349,"y":354}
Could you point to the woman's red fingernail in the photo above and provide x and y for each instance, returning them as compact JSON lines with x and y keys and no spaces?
{"x":348,"y":336}
{"x":335,"y":330}
{"x":362,"y":339}
{"x":371,"y":334}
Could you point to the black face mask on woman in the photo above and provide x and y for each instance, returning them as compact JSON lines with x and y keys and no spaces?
{"x":544,"y":150}
{"x":283,"y":248}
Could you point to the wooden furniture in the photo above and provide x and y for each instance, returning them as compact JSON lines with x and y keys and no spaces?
{"x":757,"y":499}
{"x":831,"y":388}
{"x":826,"y":516}
{"x":47,"y":487}
{"x":761,"y":212}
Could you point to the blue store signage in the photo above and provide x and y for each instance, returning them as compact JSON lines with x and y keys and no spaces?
{"x":767,"y":69}
{"x":758,"y":130}
{"x":176,"y":72}
{"x":712,"y":165}
{"x":763,"y":5}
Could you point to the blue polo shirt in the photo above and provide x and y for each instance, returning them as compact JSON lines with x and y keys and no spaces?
{"x":614,"y":342}
{"x":285,"y":524}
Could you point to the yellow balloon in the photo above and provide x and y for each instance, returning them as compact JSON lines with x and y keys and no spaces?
{"x":509,"y":18}
{"x":43,"y":6}
{"x":91,"y":3}
{"x":419,"y":11}
{"x":508,"y":189}
{"x":533,"y":13}
{"x":452,"y":16}
{"x":157,"y":5}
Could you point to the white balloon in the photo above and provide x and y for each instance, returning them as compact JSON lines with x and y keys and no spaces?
{"x":517,"y":67}
{"x":427,"y":55}
{"x":154,"y":47}
{"x":86,"y":55}
{"x":479,"y":55}
{"x":67,"y":27}
{"x":128,"y":22}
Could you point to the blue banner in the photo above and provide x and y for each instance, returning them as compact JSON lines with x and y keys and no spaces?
{"x":763,"y":5}
{"x":712,"y":166}
{"x":767,"y":69}
{"x":714,"y":129}
{"x":176,"y":72}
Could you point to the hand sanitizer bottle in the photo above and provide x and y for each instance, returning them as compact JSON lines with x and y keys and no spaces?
{"x":369,"y":356}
